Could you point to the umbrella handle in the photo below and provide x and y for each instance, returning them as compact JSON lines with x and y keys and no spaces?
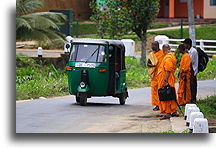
{"x":179,"y":107}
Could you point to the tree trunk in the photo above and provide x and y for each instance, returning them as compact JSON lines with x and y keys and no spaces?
{"x":143,"y":50}
{"x":191,"y":22}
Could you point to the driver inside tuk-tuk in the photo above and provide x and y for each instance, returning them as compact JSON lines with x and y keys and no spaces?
{"x":117,"y":60}
{"x":118,"y":66}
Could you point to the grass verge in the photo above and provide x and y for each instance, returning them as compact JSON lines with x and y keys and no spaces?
{"x":208,"y":108}
{"x":34,"y":80}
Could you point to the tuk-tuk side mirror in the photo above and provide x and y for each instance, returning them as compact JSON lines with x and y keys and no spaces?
{"x":111,"y":51}
{"x":111,"y":48}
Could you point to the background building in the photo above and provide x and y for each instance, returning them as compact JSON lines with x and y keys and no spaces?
{"x":81,"y":9}
{"x":204,"y":9}
{"x":178,"y":9}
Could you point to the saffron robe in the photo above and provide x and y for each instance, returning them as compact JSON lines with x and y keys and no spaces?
{"x":184,"y":92}
{"x":168,"y":64}
{"x":154,"y":80}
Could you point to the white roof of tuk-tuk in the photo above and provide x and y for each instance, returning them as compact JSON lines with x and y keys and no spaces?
{"x":98,"y":41}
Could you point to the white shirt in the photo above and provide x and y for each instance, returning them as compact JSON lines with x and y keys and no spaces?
{"x":194,"y":59}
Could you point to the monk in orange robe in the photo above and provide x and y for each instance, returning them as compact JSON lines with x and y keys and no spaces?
{"x":166,"y":76}
{"x":154,"y":81}
{"x":184,"y":92}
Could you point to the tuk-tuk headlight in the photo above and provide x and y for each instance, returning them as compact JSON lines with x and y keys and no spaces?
{"x":67,"y":46}
{"x":82,"y":84}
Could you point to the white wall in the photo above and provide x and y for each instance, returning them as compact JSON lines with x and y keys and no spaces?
{"x":209,"y":11}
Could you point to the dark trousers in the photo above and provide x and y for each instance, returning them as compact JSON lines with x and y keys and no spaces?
{"x":193,"y":87}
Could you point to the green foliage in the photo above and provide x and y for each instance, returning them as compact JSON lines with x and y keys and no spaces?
{"x":142,"y":14}
{"x":34,"y":80}
{"x":208,"y":106}
{"x":113,"y":22}
{"x":125,"y":15}
{"x":186,"y":131}
{"x":40,"y":26}
{"x":28,"y":6}
{"x":178,"y":56}
{"x":209,"y":72}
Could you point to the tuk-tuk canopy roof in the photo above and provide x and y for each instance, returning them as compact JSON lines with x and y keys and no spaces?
{"x":117,"y":43}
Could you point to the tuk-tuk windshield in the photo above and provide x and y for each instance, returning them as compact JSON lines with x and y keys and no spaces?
{"x":87,"y":53}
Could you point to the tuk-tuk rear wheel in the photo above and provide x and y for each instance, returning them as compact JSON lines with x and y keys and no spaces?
{"x":122,"y":98}
{"x":83,"y":99}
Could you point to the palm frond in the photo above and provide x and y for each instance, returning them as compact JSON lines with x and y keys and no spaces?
{"x":39,"y":26}
{"x":56,"y":17}
{"x":40,"y":22}
{"x":22,"y":22}
{"x":40,"y":35}
{"x":28,"y":6}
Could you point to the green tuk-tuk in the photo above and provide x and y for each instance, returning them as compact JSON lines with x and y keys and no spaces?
{"x":96,"y":67}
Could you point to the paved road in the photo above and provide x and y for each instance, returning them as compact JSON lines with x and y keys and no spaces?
{"x":102,"y":114}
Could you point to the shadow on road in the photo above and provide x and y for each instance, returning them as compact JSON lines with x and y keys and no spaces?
{"x":91,"y":104}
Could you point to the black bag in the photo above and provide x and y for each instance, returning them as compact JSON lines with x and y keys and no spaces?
{"x":167,"y":93}
{"x":202,"y":60}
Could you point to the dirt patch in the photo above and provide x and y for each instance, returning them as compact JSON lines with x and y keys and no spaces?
{"x":211,"y":122}
{"x":131,"y":123}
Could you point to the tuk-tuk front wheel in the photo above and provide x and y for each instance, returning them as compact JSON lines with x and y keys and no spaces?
{"x":83,"y":99}
{"x":77,"y":99}
{"x":122,"y":98}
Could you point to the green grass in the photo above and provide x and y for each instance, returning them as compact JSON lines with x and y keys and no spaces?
{"x":158,"y":25}
{"x":91,"y":28}
{"x":208,"y":107}
{"x":84,"y":28}
{"x":136,"y":76}
{"x":34,"y":80}
{"x":202,"y":32}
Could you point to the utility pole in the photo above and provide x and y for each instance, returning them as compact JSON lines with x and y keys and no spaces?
{"x":191,"y":22}
{"x":181,"y":30}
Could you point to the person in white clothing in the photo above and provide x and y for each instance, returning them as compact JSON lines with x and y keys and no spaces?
{"x":194,"y":68}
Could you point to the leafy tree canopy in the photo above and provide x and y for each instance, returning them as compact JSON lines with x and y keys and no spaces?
{"x":122,"y":16}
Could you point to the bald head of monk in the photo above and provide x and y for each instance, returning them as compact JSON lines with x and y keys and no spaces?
{"x":166,"y":48}
{"x":155,"y":46}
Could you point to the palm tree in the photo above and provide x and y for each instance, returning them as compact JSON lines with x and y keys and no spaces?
{"x":38,"y":26}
